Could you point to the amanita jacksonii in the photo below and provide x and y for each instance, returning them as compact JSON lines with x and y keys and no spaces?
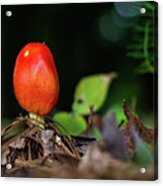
{"x":35,"y":79}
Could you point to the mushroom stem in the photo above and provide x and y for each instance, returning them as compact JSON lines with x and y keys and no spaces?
{"x":37,"y":118}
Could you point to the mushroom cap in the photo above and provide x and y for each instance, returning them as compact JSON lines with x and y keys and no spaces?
{"x":35,"y":79}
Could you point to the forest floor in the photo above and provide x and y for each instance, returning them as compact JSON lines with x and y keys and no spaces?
{"x":41,"y":150}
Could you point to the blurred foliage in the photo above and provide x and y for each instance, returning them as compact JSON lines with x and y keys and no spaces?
{"x":73,"y":122}
{"x":143,"y":153}
{"x":91,"y":90}
{"x":112,"y":137}
{"x":117,"y":108}
{"x":14,"y":132}
{"x":96,"y":133}
{"x":143,"y":43}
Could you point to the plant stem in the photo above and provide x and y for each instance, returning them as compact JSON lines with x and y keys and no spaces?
{"x":37,"y":118}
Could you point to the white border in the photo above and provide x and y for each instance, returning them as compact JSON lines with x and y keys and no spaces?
{"x":42,"y":182}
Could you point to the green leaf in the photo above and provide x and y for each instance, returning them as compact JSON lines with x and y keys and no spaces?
{"x":96,"y":133}
{"x":143,"y":154}
{"x":14,"y":132}
{"x":118,"y":110}
{"x":91,"y":90}
{"x":74,"y":123}
{"x":135,"y":54}
{"x":145,"y":67}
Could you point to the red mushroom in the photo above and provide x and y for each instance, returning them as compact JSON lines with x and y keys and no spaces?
{"x":35,"y":79}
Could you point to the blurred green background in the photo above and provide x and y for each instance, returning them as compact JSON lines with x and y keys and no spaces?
{"x":85,"y":39}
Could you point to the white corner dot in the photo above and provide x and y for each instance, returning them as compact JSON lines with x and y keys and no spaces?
{"x":142,"y":10}
{"x":143,"y":170}
{"x":8,"y":13}
{"x":8,"y":166}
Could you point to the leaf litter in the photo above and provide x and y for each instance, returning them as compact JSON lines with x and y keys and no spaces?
{"x":42,"y":150}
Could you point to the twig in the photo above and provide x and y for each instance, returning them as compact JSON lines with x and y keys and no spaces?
{"x":29,"y":151}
